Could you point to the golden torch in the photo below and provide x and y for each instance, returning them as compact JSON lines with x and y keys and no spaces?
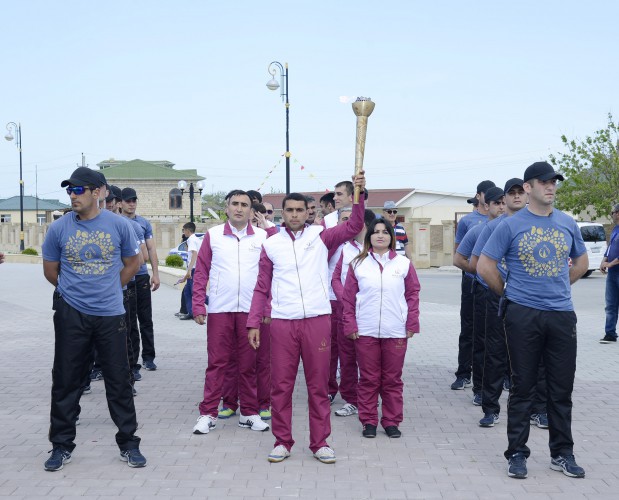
{"x":363,"y":108}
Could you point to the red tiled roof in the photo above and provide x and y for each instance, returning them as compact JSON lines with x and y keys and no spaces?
{"x":377,"y":197}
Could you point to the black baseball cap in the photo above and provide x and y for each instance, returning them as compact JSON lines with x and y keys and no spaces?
{"x":483,"y":186}
{"x":84,"y":176}
{"x":115,"y":193}
{"x":494,"y":194}
{"x":473,"y":201}
{"x":543,"y":171}
{"x":511,"y":183}
{"x":128,"y":194}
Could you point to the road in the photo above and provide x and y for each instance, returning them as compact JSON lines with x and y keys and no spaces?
{"x":442,"y":454}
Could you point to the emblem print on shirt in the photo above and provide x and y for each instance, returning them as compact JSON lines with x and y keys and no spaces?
{"x":90,"y":252}
{"x":543,"y":252}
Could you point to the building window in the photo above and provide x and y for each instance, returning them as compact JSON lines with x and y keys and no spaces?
{"x":41,"y":219}
{"x":176,"y":199}
{"x":5,"y":217}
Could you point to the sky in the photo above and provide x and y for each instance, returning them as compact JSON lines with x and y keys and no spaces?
{"x":464,"y":91}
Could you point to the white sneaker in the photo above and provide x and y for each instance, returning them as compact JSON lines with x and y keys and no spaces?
{"x":279,"y":454}
{"x":204,"y":424}
{"x":253,"y":422}
{"x":326,"y":455}
{"x":347,"y":410}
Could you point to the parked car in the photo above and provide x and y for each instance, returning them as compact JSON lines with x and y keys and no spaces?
{"x":595,"y":240}
{"x":182,"y":249}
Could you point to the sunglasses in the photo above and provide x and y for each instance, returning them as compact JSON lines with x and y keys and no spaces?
{"x":77,"y":190}
{"x":269,"y":212}
{"x":390,"y":212}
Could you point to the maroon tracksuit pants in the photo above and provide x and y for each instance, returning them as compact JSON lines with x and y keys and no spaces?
{"x":226,"y":335}
{"x":380,"y":367}
{"x":336,"y":318}
{"x":263,"y":374}
{"x":292,"y":340}
{"x":349,"y":372}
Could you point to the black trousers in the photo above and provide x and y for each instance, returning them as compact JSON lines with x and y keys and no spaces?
{"x":132,"y":326}
{"x":76,"y":333}
{"x":495,"y":357}
{"x":479,"y":335}
{"x":145,"y":317}
{"x":465,"y":340}
{"x":533,"y":335}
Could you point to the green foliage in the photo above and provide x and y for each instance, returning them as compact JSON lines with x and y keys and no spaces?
{"x":591,"y":170}
{"x":174,"y":261}
{"x":30,"y":251}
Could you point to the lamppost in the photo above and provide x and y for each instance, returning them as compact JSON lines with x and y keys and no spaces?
{"x":9,"y":137}
{"x":273,"y":84}
{"x":182,"y":185}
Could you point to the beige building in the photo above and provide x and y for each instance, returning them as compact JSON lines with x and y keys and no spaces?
{"x":36,"y":210}
{"x":156,"y":184}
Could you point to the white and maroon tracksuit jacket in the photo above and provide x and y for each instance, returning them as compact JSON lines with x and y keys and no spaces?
{"x":294,"y":268}
{"x":228,"y":260}
{"x":349,"y":373}
{"x":381,"y":303}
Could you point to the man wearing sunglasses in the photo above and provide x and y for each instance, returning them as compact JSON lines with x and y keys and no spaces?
{"x":402,"y":246}
{"x":270,"y":213}
{"x":98,"y":254}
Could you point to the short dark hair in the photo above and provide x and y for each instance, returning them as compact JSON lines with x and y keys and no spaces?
{"x":191,"y":226}
{"x":348,"y":185}
{"x":237,"y":192}
{"x":310,"y":198}
{"x":368,"y":217}
{"x":254,"y":194}
{"x":294,"y":197}
{"x":259,"y":207}
{"x":327,"y":199}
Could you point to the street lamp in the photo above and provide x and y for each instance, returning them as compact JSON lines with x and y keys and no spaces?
{"x":182,"y":185}
{"x":273,"y":84}
{"x":9,"y":137}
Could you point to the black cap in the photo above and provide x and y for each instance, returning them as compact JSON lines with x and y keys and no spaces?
{"x":473,"y":201}
{"x":128,"y":194}
{"x":493,"y":194}
{"x":84,"y":176}
{"x":483,"y":186}
{"x":541,"y":170}
{"x":115,"y":193}
{"x":511,"y":183}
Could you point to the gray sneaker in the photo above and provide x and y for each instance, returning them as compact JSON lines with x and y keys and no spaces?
{"x":347,"y":410}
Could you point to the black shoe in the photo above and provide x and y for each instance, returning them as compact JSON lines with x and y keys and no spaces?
{"x":185,"y":316}
{"x":96,"y":375}
{"x":567,"y":464}
{"x":517,"y":466}
{"x":150,"y":366}
{"x":331,"y":398}
{"x":133,"y":458}
{"x":392,"y":431}
{"x":477,"y":398}
{"x":57,"y":460}
{"x":369,"y":431}
{"x":460,"y":383}
{"x":608,"y":339}
{"x":136,"y":374}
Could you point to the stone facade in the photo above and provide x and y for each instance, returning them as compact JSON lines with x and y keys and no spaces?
{"x":154,"y":199}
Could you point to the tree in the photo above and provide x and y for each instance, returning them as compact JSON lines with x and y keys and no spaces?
{"x":591,"y":171}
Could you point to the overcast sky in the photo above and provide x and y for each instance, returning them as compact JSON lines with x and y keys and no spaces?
{"x":464,"y":91}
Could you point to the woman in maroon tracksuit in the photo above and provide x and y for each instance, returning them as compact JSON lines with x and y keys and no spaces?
{"x":381,"y":311}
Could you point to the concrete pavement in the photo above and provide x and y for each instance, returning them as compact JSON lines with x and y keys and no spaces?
{"x":442,"y":454}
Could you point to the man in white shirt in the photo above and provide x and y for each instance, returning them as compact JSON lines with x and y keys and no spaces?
{"x":193,"y":247}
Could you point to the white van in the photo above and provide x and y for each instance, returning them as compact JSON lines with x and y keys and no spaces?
{"x":595,"y":241}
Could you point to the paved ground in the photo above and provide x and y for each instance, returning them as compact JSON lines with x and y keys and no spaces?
{"x":443,"y":453}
